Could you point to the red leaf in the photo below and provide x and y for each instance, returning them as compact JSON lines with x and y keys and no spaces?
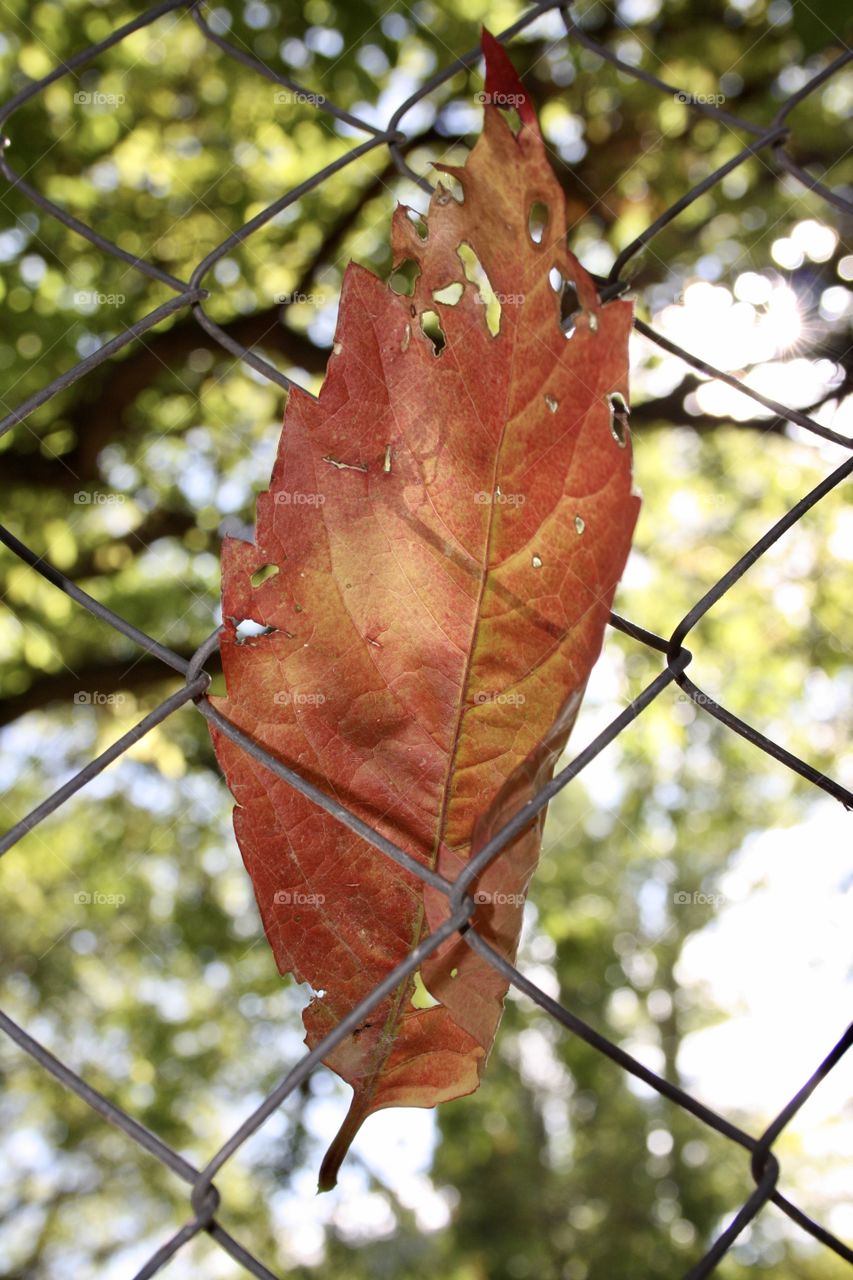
{"x":447,"y":529}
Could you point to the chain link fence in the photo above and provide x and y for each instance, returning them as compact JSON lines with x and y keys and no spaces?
{"x":190,"y":295}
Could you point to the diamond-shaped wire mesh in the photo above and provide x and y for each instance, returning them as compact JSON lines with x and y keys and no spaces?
{"x":190,"y":295}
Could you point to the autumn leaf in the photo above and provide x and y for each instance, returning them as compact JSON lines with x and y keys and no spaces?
{"x":434,"y":566}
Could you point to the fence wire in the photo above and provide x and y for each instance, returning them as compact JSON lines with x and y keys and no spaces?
{"x":190,"y":295}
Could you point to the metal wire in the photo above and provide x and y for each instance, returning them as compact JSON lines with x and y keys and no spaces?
{"x":190,"y":295}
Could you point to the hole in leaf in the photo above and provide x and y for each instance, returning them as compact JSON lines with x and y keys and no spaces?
{"x":421,"y":998}
{"x":451,"y":187}
{"x":250,"y":629}
{"x":513,"y":119}
{"x":404,"y":277}
{"x":450,"y":294}
{"x":570,"y":307}
{"x":537,"y":221}
{"x":555,"y":279}
{"x":431,"y":326}
{"x":552,"y":403}
{"x":619,"y":414}
{"x":262,"y":575}
{"x":475,"y":272}
{"x":418,"y":221}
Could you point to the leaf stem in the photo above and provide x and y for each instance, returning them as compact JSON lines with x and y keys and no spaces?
{"x":333,"y":1158}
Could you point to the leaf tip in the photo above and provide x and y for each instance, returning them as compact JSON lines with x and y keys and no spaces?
{"x":502,"y":80}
